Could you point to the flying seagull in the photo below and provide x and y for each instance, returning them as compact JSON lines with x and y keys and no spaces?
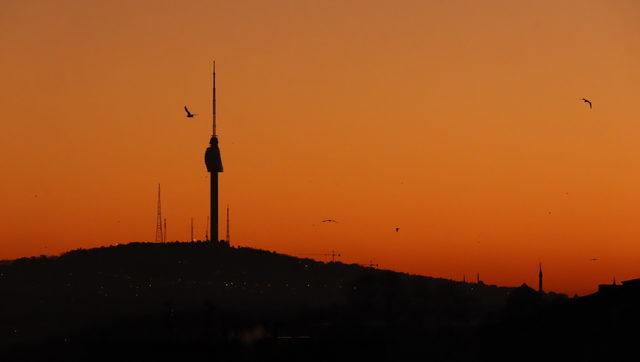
{"x":396,"y":229}
{"x":594,"y":259}
{"x":329,"y":220}
{"x":587,"y":101}
{"x":189,"y":114}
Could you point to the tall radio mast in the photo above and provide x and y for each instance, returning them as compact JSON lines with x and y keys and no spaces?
{"x":159,"y":234}
{"x":228,"y":238}
{"x":206,"y":231}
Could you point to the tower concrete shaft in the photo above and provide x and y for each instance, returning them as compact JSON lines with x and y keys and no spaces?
{"x":214,"y":206}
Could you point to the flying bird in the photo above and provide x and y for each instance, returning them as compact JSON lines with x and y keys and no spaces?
{"x":594,"y":259}
{"x":189,"y":114}
{"x":329,"y":220}
{"x":587,"y":101}
{"x":396,"y":229}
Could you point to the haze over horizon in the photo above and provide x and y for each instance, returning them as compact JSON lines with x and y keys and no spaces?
{"x":461,"y":123}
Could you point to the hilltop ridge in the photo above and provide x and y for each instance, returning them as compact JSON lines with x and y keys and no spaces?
{"x":224,"y":301}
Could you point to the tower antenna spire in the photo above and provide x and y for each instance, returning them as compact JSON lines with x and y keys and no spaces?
{"x":214,"y":100}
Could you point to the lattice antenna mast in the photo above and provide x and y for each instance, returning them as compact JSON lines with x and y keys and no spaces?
{"x":206,"y":232}
{"x":228,"y":237}
{"x":192,"y":229}
{"x":159,"y":233}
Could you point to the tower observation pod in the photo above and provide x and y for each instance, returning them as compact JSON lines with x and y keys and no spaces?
{"x":212,"y":158}
{"x":213,"y":161}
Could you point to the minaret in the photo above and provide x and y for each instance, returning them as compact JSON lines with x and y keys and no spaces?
{"x":213,"y":161}
{"x":540,"y":290}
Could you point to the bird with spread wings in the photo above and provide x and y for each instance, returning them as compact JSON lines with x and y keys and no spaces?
{"x":189,"y":114}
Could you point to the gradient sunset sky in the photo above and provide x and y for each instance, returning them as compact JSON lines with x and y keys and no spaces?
{"x":458,"y":121}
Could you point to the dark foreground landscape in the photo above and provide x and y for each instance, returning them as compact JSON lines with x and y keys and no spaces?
{"x":203,"y":302}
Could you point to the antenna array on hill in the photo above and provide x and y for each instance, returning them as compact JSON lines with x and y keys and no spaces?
{"x":333,"y":254}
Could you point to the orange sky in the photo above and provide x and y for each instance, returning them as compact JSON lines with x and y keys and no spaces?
{"x":458,"y":121}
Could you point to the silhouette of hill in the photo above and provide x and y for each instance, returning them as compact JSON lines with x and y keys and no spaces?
{"x":198,"y":301}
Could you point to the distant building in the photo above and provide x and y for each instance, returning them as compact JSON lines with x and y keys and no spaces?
{"x":523,"y":301}
{"x":631,"y":283}
{"x":606,"y":288}
{"x":613,"y":287}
